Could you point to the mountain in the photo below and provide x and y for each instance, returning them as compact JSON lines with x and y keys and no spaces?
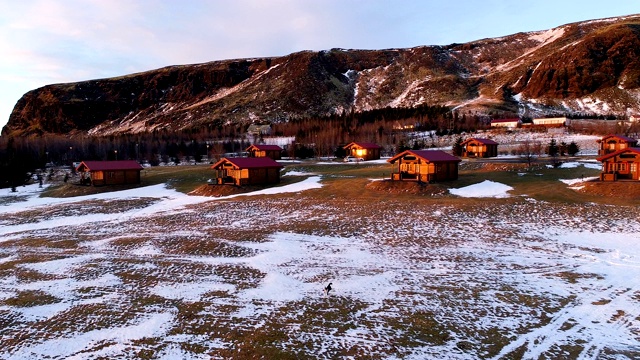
{"x":589,"y":67}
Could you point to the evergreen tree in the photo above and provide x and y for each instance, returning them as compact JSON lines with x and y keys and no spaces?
{"x":553,"y":148}
{"x":573,"y":148}
{"x":457,"y":147}
{"x":563,"y":148}
{"x":340,"y":152}
{"x":402,"y":146}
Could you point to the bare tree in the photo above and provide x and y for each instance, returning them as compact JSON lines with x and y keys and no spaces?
{"x":530,"y":150}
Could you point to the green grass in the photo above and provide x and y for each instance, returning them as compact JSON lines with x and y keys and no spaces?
{"x":183,"y":178}
{"x":348,"y":181}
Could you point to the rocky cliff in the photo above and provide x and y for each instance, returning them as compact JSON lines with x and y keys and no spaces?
{"x":588,"y":67}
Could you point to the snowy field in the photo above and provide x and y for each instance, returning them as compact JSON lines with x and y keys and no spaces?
{"x":153,"y":273}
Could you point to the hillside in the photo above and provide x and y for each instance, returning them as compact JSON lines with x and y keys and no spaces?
{"x":589,"y":67}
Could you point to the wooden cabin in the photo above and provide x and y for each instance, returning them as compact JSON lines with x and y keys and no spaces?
{"x":247,"y":171}
{"x":363,"y":150}
{"x":612,"y":143}
{"x":98,"y":173}
{"x":271,"y":151}
{"x":425,"y":166}
{"x":620,"y":165}
{"x":481,"y":148}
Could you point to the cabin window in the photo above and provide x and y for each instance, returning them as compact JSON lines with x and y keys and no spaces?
{"x":409,"y":157}
{"x":111,"y":174}
{"x":634,"y":167}
{"x":612,"y":145}
{"x":618,"y":167}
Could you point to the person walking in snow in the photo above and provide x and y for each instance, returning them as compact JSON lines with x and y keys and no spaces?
{"x":327,"y":289}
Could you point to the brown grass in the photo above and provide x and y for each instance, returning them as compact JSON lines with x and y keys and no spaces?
{"x":29,"y":298}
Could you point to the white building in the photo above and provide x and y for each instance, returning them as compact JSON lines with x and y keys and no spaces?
{"x":506,"y":123}
{"x":558,"y":121}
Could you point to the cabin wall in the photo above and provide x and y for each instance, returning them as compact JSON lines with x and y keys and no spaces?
{"x":622,"y":167}
{"x":492,"y":150}
{"x":115,"y":177}
{"x":274,"y":154}
{"x":366,"y":154}
{"x":262,"y":176}
{"x":612,"y":145}
{"x":419,"y":170}
{"x":97,"y":178}
{"x":248,"y":176}
{"x":476,"y":149}
{"x":446,"y":171}
{"x":373,"y":154}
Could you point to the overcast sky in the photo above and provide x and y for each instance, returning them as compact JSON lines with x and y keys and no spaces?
{"x":53,"y":41}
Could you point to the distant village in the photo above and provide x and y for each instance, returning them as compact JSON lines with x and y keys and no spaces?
{"x":259,"y":163}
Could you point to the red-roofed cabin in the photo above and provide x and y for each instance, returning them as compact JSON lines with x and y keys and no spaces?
{"x":482,"y":148}
{"x":117,"y":172}
{"x":612,"y":143}
{"x":622,"y":164}
{"x":271,"y":151}
{"x":247,"y":171}
{"x":425,"y":166}
{"x":364,"y":151}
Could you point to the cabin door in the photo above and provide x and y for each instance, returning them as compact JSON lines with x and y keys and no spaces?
{"x":633,"y":169}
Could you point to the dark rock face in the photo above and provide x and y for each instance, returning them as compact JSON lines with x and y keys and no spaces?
{"x":587,"y":67}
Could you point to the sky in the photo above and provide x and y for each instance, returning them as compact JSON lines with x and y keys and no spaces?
{"x":45,"y":42}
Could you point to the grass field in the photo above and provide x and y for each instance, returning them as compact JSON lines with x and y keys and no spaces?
{"x":150,"y":272}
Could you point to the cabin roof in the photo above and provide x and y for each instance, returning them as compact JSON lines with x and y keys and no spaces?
{"x":432,"y":156}
{"x":248,"y":163}
{"x":363,"y":145}
{"x":112,"y":165}
{"x":498,"y":121}
{"x":620,"y":137}
{"x":616,"y":153}
{"x":264,"y":147}
{"x":482,"y":141}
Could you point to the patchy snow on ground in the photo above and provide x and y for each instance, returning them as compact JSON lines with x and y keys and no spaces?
{"x":575,"y":164}
{"x":486,"y":188}
{"x":297,"y":173}
{"x":192,"y":277}
{"x":167,"y":200}
{"x":579,"y":180}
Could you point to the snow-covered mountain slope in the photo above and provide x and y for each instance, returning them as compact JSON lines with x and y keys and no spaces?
{"x":588,"y":67}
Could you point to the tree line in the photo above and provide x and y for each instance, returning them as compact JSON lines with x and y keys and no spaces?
{"x":314,"y":137}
